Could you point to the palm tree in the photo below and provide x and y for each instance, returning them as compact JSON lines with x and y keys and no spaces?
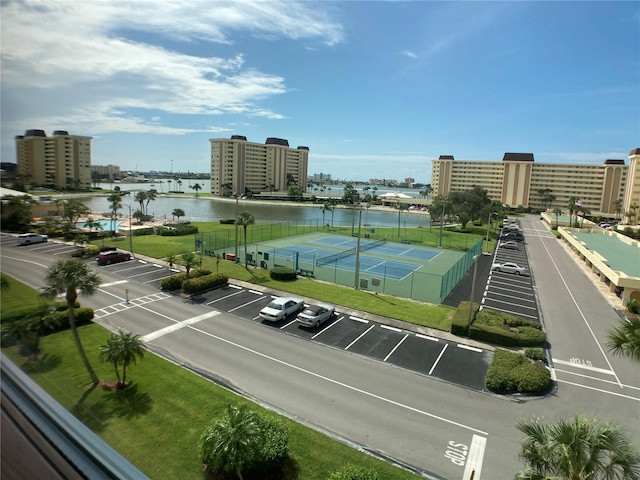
{"x":141,"y":197}
{"x":573,"y":203}
{"x":245,"y":219}
{"x":169,"y":182}
{"x":333,"y":202}
{"x":617,"y":205}
{"x":69,"y":277}
{"x":32,"y":327}
{"x":624,"y":339}
{"x":189,"y":260}
{"x":115,"y":203}
{"x":632,"y":213}
{"x":375,"y":189}
{"x":91,"y":224}
{"x":178,"y":212}
{"x":400,"y":207}
{"x":123,"y":349}
{"x":578,"y":449}
{"x":229,"y":444}
{"x":196,"y":187}
{"x":557,"y":212}
{"x":584,"y":211}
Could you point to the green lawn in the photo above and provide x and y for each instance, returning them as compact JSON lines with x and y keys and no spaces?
{"x":156,"y":423}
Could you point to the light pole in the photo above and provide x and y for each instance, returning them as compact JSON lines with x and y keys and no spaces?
{"x":236,"y":222}
{"x":130,"y":234}
{"x":357,"y":275}
{"x":442,"y":222}
{"x":488,"y":227}
{"x":473,"y":290}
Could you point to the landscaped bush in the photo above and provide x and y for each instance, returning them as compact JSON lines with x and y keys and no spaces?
{"x":84,"y":316}
{"x":354,"y":472}
{"x":633,"y":306}
{"x":177,"y":231}
{"x":506,"y":330}
{"x":535,"y":354}
{"x":62,"y":306}
{"x":174,"y":282}
{"x":494,"y":335}
{"x":200,"y":284}
{"x":461,"y":318}
{"x":87,"y":252}
{"x":511,"y":372}
{"x":227,"y":221}
{"x":283,"y":273}
{"x":143,"y":231}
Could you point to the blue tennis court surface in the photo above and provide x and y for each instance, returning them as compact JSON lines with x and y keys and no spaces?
{"x":368,"y":264}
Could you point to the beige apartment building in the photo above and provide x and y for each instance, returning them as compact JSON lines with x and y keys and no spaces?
{"x":110,"y":172}
{"x":518,"y":179}
{"x":239,"y":166}
{"x":60,"y":161}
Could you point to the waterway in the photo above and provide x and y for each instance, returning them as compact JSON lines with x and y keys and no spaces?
{"x":206,"y":209}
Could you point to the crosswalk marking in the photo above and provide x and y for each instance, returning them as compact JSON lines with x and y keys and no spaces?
{"x":134,"y":302}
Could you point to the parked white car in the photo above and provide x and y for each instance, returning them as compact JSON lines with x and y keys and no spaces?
{"x":280,"y":308}
{"x":509,"y":267}
{"x":314,"y":315}
{"x":29,"y":238}
{"x":511,"y":245}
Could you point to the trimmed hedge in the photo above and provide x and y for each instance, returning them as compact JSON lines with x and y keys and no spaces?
{"x":354,"y":472}
{"x":461,"y":318}
{"x":207,"y":282}
{"x":511,"y":372}
{"x":143,"y":231}
{"x":506,"y":330}
{"x":227,"y":221}
{"x":283,"y":273}
{"x":84,"y":316}
{"x":535,"y":354}
{"x":177,"y":231}
{"x":174,"y":282}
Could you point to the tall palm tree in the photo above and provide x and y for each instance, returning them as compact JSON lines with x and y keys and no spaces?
{"x":29,"y":329}
{"x":229,"y":444}
{"x":624,"y":339}
{"x":573,"y":203}
{"x":123,"y":349}
{"x":557,"y":212}
{"x":617,"y":205}
{"x":196,"y":187}
{"x":69,"y":277}
{"x":141,"y":197}
{"x":333,"y":202}
{"x":245,"y":219}
{"x":400,"y":207}
{"x":632,"y":213}
{"x":578,"y":449}
{"x":115,"y":203}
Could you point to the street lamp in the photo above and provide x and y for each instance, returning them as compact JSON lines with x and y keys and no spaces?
{"x":488,"y":227}
{"x":130,"y":234}
{"x":236,"y":222}
{"x":473,"y":290}
{"x":357,"y":274}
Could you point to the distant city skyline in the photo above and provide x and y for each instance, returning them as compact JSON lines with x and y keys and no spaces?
{"x":374,"y":89}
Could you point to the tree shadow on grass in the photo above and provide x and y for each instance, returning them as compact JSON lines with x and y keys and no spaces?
{"x":131,"y":403}
{"x":287,"y":469}
{"x":44,"y":364}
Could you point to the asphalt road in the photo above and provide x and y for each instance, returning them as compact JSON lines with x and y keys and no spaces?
{"x":439,"y":428}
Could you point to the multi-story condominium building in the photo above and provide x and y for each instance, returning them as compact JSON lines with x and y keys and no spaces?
{"x":321,"y":177}
{"x":111,"y":172}
{"x":60,"y":161}
{"x":239,"y":166}
{"x":518,"y":181}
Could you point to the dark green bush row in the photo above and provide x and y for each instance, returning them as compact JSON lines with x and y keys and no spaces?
{"x":461,"y":318}
{"x":535,"y":354}
{"x":508,"y":337}
{"x":491,"y":317}
{"x":143,"y":231}
{"x":633,"y":306}
{"x":227,"y":221}
{"x":174,"y":282}
{"x":511,"y":372}
{"x":283,"y":273}
{"x":177,"y":231}
{"x":354,"y":472}
{"x":84,"y":316}
{"x":200,"y":284}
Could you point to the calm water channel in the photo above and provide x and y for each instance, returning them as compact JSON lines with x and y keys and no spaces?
{"x":211,"y":209}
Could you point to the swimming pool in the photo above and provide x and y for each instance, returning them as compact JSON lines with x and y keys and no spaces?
{"x":105,"y":224}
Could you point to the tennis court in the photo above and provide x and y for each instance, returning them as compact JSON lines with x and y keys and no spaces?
{"x":400,"y":269}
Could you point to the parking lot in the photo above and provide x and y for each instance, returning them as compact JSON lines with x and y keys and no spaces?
{"x":509,"y":292}
{"x":431,"y":356}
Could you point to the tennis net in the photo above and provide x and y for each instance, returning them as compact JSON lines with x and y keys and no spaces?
{"x":347,"y":253}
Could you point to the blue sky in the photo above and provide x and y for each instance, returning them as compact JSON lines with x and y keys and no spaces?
{"x":374,"y":89}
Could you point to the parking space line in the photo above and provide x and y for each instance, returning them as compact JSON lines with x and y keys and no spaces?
{"x":393,"y":329}
{"x":498,"y":294}
{"x":237,"y":287}
{"x":245,"y":304}
{"x":327,"y":328}
{"x":513,"y":304}
{"x":473,"y":466}
{"x":359,"y":337}
{"x":438,"y":359}
{"x":394,"y":348}
{"x":467,"y":347}
{"x":433,"y":339}
{"x":511,"y":312}
{"x":110,"y":284}
{"x":290,"y":323}
{"x":361,"y":320}
{"x":256,"y":292}
{"x":224,"y":298}
{"x":140,"y":274}
{"x":497,"y":287}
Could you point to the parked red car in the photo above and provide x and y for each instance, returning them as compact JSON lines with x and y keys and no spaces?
{"x":113,"y":256}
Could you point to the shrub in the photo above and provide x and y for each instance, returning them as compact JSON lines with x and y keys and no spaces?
{"x":202,"y":283}
{"x":84,"y":316}
{"x":354,"y":472}
{"x":227,"y":221}
{"x":531,"y":337}
{"x":461,"y":318}
{"x":174,"y":282}
{"x":143,"y":231}
{"x":492,"y":334}
{"x":62,"y":306}
{"x":283,"y":273}
{"x":633,"y":306}
{"x":88,"y":251}
{"x":506,"y":330}
{"x":535,"y":354}
{"x":177,"y":231}
{"x":511,"y":372}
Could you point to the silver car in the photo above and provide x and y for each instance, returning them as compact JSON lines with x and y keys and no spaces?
{"x":314,"y":315}
{"x":512,"y":245}
{"x":280,"y":308}
{"x":509,"y":267}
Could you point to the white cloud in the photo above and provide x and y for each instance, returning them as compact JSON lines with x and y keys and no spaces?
{"x":409,"y":53}
{"x":68,"y":63}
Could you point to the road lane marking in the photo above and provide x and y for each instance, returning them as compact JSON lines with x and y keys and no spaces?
{"x":473,"y":467}
{"x":586,"y":367}
{"x":438,"y":359}
{"x":628,"y":397}
{"x":359,"y":337}
{"x":394,"y":348}
{"x":177,"y":326}
{"x":342,"y":384}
